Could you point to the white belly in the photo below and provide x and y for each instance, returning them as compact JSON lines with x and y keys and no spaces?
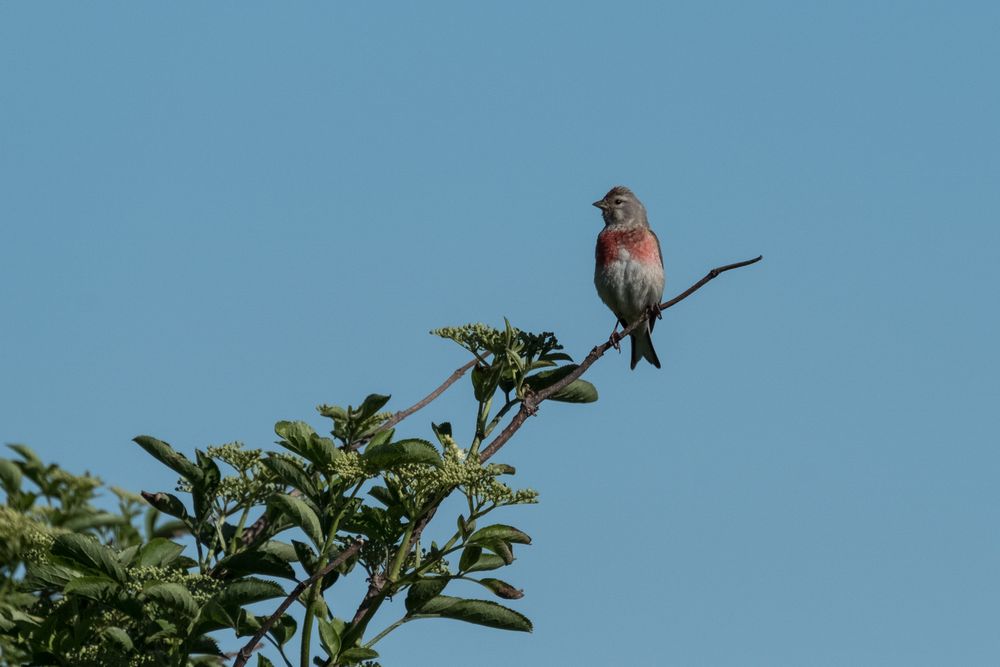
{"x":628,"y":287}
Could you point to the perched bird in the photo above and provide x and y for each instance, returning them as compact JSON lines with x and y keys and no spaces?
{"x":629,"y":272}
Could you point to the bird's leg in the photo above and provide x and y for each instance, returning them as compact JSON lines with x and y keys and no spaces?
{"x":613,"y":339}
{"x":654,"y":311}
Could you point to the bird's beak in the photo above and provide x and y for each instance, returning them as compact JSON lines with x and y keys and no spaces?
{"x":601,"y":204}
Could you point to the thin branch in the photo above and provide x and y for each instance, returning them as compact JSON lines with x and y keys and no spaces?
{"x":532,"y":401}
{"x":403,"y":414}
{"x":256,"y":529}
{"x":379,"y":586}
{"x":245,"y":652}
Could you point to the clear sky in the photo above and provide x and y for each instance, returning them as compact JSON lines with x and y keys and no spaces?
{"x":217,"y":215}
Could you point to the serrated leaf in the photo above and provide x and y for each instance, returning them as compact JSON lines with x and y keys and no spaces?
{"x":358,"y":653}
{"x":480,"y":612}
{"x":166,"y":503}
{"x":282,"y":550}
{"x":484,"y":562}
{"x":159,"y":552}
{"x":383,"y":495}
{"x":205,"y":644}
{"x":87,"y":554}
{"x":283,"y":629}
{"x":299,"y":513}
{"x":578,"y":391}
{"x":502,"y":589}
{"x":499,"y":531}
{"x":292,"y":474}
{"x":502,"y":549}
{"x":307,"y":557}
{"x":299,"y":437}
{"x":402,"y":452}
{"x":442,"y":431}
{"x":203,"y":491}
{"x":248,"y":591}
{"x":329,"y":637}
{"x":470,"y":555}
{"x":422,"y":591}
{"x":95,"y":588}
{"x":372,"y":404}
{"x":255,"y":561}
{"x":49,"y":575}
{"x":170,"y":457}
{"x":118,"y":636}
{"x":173,"y":596}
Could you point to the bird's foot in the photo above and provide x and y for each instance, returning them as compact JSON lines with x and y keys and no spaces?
{"x":614,"y":338}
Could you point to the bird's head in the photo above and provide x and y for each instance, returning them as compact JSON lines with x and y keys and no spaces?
{"x":621,"y":207}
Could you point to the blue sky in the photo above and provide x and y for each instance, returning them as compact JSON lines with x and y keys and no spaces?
{"x":217,"y":216}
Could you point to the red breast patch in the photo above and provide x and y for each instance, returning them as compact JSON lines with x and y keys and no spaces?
{"x":639,"y":242}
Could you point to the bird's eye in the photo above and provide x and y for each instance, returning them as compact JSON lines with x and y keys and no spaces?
{"x":619,"y":202}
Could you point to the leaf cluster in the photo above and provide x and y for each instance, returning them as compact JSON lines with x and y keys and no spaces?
{"x":157,"y":581}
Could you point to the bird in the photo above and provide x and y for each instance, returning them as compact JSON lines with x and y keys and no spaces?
{"x":629,"y":269}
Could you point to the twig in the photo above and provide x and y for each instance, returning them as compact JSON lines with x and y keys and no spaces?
{"x":403,"y":414}
{"x":245,"y":652}
{"x":256,"y":529}
{"x":377,"y":589}
{"x":532,"y":401}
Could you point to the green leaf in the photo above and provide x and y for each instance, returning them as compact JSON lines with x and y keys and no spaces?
{"x":28,"y":455}
{"x":173,"y":596}
{"x":49,"y":575}
{"x":166,"y":503}
{"x":480,"y":612}
{"x":263,"y":662}
{"x":247,"y":591}
{"x":578,"y":391}
{"x":283,"y":629}
{"x":442,"y":431}
{"x":10,"y":476}
{"x":403,"y":452}
{"x":206,"y":644}
{"x":87,"y":554}
{"x":465,"y":527}
{"x":254,"y":561}
{"x":203,"y":491}
{"x":358,"y":653}
{"x":293,"y":475}
{"x":87,"y":521}
{"x":159,"y":552}
{"x":300,"y":438}
{"x":502,"y":589}
{"x":118,"y":636}
{"x":483,"y":563}
{"x":384,"y":496}
{"x":470,"y":555}
{"x":502,"y":549}
{"x":372,"y":404}
{"x":307,"y":557}
{"x":499,"y":531}
{"x":170,"y":457}
{"x":329,"y":637}
{"x":299,"y":513}
{"x":282,"y":550}
{"x":424,"y":590}
{"x":95,"y":588}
